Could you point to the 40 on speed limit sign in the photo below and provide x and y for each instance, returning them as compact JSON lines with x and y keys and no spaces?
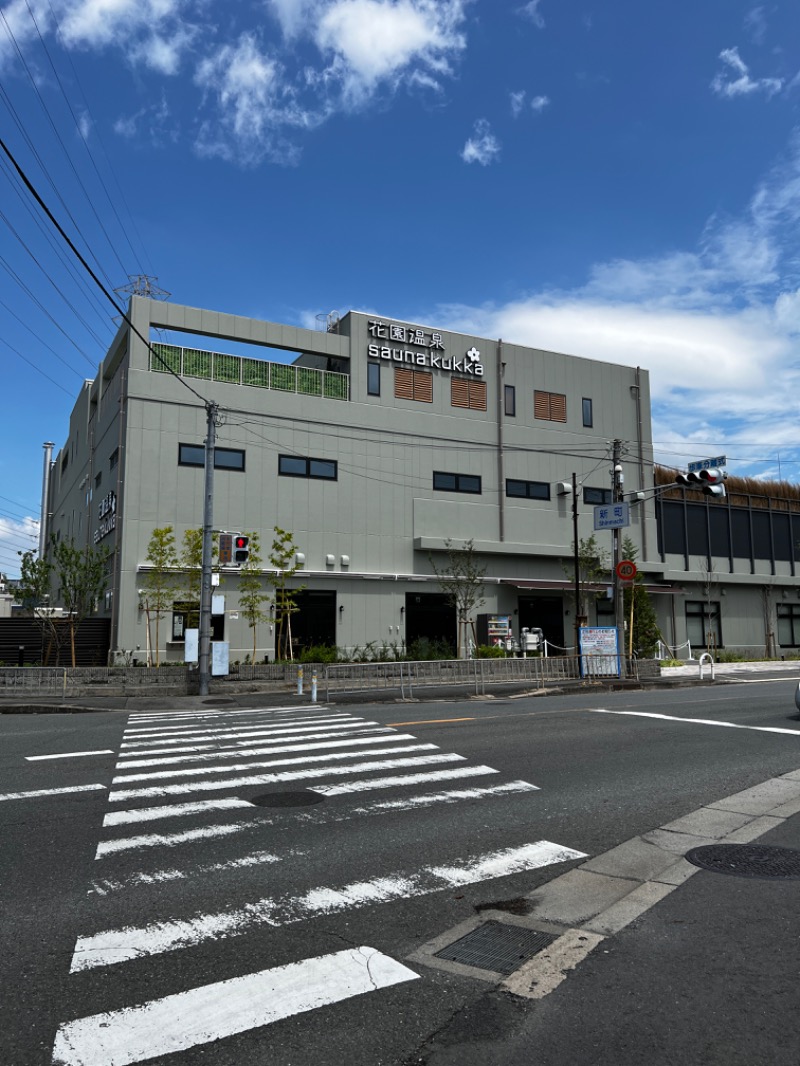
{"x":626,"y":570}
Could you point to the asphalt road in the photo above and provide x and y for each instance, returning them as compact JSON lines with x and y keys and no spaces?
{"x":281,"y":936}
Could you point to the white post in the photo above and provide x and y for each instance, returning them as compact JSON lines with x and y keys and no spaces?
{"x":299,"y":680}
{"x":314,"y":686}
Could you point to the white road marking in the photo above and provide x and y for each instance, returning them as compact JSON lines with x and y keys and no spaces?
{"x":50,"y":792}
{"x":234,"y":742}
{"x":407,"y":779}
{"x":176,"y":810}
{"x":214,"y":730}
{"x":114,"y":946}
{"x":213,"y":1012}
{"x":137,"y":716}
{"x":259,"y":858}
{"x":232,"y":734}
{"x":453,"y":796}
{"x":268,"y":779}
{"x":68,"y":755}
{"x":703,"y":721}
{"x":304,"y":760}
{"x":187,"y":836}
{"x":272,"y":749}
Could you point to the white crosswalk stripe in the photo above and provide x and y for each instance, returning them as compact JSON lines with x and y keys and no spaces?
{"x":184,"y":785}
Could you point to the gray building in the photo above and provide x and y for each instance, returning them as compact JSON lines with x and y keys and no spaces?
{"x":374,"y":442}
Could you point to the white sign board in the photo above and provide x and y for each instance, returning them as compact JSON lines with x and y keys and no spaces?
{"x":218,"y":603}
{"x":599,"y":651}
{"x":612,"y":516}
{"x":191,"y":645}
{"x":708,"y":464}
{"x":220,"y":656}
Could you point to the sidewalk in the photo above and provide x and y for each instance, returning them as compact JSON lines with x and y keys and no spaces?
{"x":689,"y":967}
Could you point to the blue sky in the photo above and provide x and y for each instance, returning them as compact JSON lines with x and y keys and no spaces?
{"x":617,"y":180}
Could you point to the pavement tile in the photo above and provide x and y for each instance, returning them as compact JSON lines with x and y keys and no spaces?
{"x":577,"y":895}
{"x":636,"y":859}
{"x":627,"y":910}
{"x":753,"y":830}
{"x":676,"y":843}
{"x":761,"y":799}
{"x":708,"y":822}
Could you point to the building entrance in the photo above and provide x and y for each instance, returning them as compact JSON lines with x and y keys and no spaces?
{"x":546,"y":612}
{"x":428,"y":616}
{"x":314,"y":623}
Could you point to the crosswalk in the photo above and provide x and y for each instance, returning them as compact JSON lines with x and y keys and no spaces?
{"x":202,"y":808}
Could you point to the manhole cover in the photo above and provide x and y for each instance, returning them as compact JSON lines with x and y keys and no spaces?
{"x":286,"y":799}
{"x":496,"y":946}
{"x":747,"y":860}
{"x":214,"y":703}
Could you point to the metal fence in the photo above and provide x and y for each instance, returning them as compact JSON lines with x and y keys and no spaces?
{"x":59,"y":681}
{"x":474,"y":674}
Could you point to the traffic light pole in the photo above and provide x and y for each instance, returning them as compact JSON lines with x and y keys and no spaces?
{"x":204,"y":637}
{"x":619,"y":606}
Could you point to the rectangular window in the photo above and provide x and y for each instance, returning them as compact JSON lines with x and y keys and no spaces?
{"x":597,"y":496}
{"x":528,"y":490}
{"x":789,"y":625}
{"x":456,"y":482}
{"x":297,"y":466}
{"x":469,"y":394}
{"x":587,"y":411}
{"x":703,"y":624}
{"x":413,"y":385}
{"x":510,"y":400}
{"x":373,"y":379}
{"x":550,"y":406}
{"x":98,"y":480}
{"x":224,"y":458}
{"x":64,"y":462}
{"x":113,"y":459}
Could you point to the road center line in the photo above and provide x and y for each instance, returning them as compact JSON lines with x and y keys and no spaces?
{"x":68,"y":755}
{"x":700,"y":721}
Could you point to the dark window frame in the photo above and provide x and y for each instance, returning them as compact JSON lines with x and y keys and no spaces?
{"x":597,"y":496}
{"x":788,"y":613}
{"x":308,"y":471}
{"x":531,"y":488}
{"x":373,"y":379}
{"x":510,"y":401}
{"x":710,"y":618}
{"x":113,"y":459}
{"x":587,"y":412}
{"x":219,"y":454}
{"x":459,"y":482}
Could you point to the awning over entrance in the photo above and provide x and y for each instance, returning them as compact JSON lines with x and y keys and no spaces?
{"x":555,"y":585}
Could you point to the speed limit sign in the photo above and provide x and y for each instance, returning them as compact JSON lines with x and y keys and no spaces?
{"x":626,"y":570}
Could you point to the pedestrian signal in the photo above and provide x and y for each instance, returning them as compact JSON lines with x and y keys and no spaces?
{"x":241,"y":549}
{"x":225,"y":548}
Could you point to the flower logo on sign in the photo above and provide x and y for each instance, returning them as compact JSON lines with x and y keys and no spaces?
{"x":474,"y":355}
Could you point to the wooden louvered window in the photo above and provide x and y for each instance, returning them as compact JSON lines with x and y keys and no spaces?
{"x":469,"y":394}
{"x":550,"y":406}
{"x":413,"y":385}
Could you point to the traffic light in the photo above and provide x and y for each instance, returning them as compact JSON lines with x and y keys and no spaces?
{"x":709,"y":481}
{"x":225,"y":549}
{"x":241,"y":549}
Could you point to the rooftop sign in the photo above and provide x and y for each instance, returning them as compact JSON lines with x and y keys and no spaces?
{"x":408,"y":344}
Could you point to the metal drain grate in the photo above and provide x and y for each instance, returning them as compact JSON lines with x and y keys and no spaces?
{"x":286,"y":799}
{"x":496,"y":946}
{"x":221,"y":699}
{"x":747,"y":860}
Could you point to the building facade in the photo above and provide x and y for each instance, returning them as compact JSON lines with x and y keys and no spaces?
{"x":376,"y":442}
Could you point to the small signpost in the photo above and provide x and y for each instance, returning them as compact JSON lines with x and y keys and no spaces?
{"x":626,"y":570}
{"x":612,"y":516}
{"x":708,"y":464}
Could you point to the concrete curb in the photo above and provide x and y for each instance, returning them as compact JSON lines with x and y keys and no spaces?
{"x":606,"y":893}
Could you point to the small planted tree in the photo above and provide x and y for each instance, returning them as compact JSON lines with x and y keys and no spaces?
{"x":191,"y":562}
{"x":252,"y":594}
{"x":593,"y":568}
{"x":643,"y":631}
{"x":160,"y":583}
{"x":283,"y":557}
{"x":461,"y":582}
{"x":36,"y":577}
{"x":81,"y":578}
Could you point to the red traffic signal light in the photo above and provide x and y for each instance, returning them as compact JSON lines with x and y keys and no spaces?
{"x":709,"y":481}
{"x":241,"y":549}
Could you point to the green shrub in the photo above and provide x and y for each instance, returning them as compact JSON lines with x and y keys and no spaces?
{"x":319,"y":653}
{"x":490,"y":651}
{"x":423,"y":649}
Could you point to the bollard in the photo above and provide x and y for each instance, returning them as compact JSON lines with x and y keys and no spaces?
{"x":299,"y":680}
{"x":313,"y":686}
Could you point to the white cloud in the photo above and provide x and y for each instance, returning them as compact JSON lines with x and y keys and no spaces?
{"x":483,"y":147}
{"x":717,"y":326}
{"x":736,"y":80}
{"x":531,"y":11}
{"x":374,"y":42}
{"x":17,"y":535}
{"x":539,"y":103}
{"x":164,"y":53}
{"x":517,"y":102}
{"x":755,"y":22}
{"x":99,"y":23}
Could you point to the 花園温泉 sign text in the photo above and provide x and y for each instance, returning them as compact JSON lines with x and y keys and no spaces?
{"x":418,"y":347}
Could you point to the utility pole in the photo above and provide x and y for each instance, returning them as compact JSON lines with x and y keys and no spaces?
{"x":619,"y":606}
{"x":204,"y":636}
{"x":576,"y":562}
